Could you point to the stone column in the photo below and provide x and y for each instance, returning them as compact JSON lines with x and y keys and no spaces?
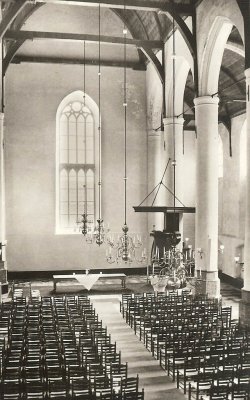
{"x":171,"y":124}
{"x":2,"y":171}
{"x":245,"y":293}
{"x":2,"y":187}
{"x":155,"y":172}
{"x":3,"y":263}
{"x":173,"y":135}
{"x":206,"y":221}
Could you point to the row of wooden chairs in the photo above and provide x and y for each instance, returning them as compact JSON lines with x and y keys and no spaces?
{"x":58,"y":349}
{"x":76,"y":389}
{"x":196,"y":342}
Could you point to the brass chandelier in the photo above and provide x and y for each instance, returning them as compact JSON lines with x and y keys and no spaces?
{"x":124,"y":249}
{"x":97,"y":233}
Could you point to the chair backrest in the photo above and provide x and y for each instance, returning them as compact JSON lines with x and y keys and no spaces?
{"x":118,"y":369}
{"x":101,"y":382}
{"x":130,"y":384}
{"x":107,"y":394}
{"x":134,"y":396}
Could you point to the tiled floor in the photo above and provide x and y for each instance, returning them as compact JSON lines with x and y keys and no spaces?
{"x":152,"y":377}
{"x":231,"y":297}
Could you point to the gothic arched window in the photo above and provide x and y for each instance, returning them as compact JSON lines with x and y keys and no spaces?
{"x":75,"y":161}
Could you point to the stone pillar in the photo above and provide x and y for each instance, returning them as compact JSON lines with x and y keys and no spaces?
{"x":169,"y":125}
{"x":206,"y":221}
{"x":245,"y":293}
{"x":173,"y":134}
{"x":3,"y":263}
{"x":155,"y":172}
{"x":2,"y":186}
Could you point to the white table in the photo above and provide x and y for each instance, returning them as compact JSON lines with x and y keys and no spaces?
{"x":88,"y":280}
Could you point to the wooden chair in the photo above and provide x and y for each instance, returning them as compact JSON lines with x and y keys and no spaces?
{"x":81,"y":389}
{"x":130,"y":385}
{"x":58,"y":391}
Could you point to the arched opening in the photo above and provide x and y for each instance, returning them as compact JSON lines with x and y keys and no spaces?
{"x":76,"y":130}
{"x":212,"y":56}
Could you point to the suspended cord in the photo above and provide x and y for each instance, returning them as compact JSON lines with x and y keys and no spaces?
{"x":174,"y":150}
{"x":99,"y":104}
{"x":3,"y":82}
{"x":125,"y":121}
{"x":228,"y":87}
{"x":85,"y":211}
{"x":84,"y":73}
{"x":185,"y":111}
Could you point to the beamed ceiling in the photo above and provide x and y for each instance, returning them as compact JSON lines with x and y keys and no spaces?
{"x":53,"y":31}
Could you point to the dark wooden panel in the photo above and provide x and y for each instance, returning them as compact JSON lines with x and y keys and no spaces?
{"x":177,"y":210}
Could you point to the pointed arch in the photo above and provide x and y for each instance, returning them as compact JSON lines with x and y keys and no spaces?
{"x":212,"y":56}
{"x":76,"y":154}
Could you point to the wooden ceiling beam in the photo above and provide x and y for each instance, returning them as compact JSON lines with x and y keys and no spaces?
{"x":189,"y":117}
{"x":236,"y":48}
{"x":189,"y":128}
{"x":10,"y":54}
{"x":231,"y":76}
{"x":10,"y":16}
{"x":35,"y":35}
{"x":76,"y":61}
{"x":244,"y":7}
{"x":158,"y":66}
{"x":150,"y":5}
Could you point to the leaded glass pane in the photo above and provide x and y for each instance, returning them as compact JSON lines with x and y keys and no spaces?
{"x":81,"y":142}
{"x":67,"y":109}
{"x":85,"y":110}
{"x":63,"y":142}
{"x":72,"y":179}
{"x":72,"y":194}
{"x":76,"y":106}
{"x":72,"y":142}
{"x":64,"y":194}
{"x":81,"y":207}
{"x":76,"y":147}
{"x":72,"y":207}
{"x":72,"y":156}
{"x":80,"y":122}
{"x":72,"y":220}
{"x":89,"y":126}
{"x":81,"y":156}
{"x":90,"y":208}
{"x":72,"y":124}
{"x":64,"y":207}
{"x":90,"y":194}
{"x":89,"y":157}
{"x":90,"y":178}
{"x":81,"y":186}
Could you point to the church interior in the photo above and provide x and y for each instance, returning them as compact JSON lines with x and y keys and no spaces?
{"x":125,"y":200}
